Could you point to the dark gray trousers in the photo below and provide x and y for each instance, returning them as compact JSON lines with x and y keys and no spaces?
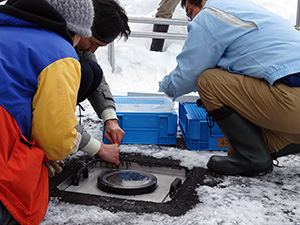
{"x":5,"y":217}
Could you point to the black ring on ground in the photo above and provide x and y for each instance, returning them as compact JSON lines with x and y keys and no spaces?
{"x":127,"y":182}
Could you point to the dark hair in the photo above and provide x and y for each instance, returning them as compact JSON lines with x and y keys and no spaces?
{"x":193,"y":2}
{"x":110,"y":21}
{"x":72,"y":34}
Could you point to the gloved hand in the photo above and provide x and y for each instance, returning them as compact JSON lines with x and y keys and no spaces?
{"x":54,"y":166}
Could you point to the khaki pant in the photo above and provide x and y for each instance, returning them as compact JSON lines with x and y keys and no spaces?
{"x":275,"y":109}
{"x":166,"y":8}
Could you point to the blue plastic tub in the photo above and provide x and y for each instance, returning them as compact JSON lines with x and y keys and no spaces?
{"x":146,"y":120}
{"x":195,"y":130}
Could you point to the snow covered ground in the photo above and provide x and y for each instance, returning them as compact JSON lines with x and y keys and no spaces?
{"x":271,"y":199}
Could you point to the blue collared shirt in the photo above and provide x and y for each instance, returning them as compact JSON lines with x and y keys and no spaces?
{"x":237,"y":36}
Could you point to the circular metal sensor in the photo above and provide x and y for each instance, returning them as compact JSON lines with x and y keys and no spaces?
{"x":127,"y":182}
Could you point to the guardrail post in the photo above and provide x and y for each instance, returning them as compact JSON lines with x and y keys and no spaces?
{"x":111,"y":55}
{"x":148,"y":34}
{"x":298,"y":15}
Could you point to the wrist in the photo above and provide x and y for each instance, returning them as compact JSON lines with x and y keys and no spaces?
{"x":109,"y":114}
{"x":111,"y":122}
{"x":101,"y":150}
{"x":92,"y":147}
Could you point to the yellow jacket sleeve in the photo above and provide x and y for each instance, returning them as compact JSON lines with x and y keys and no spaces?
{"x":54,"y":120}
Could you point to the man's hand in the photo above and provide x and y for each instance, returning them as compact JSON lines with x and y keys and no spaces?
{"x":54,"y":166}
{"x":113,"y":132}
{"x":110,"y":153}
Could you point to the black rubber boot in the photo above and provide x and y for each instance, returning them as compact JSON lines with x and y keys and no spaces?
{"x":157,"y":44}
{"x":288,"y":150}
{"x":250,"y":156}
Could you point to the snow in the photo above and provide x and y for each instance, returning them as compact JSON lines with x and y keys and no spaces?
{"x":270,"y":199}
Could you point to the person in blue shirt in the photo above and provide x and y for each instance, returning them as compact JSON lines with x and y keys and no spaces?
{"x":245,"y":63}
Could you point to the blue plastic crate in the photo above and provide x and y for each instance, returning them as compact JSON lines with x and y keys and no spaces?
{"x":146,"y":120}
{"x":195,"y":130}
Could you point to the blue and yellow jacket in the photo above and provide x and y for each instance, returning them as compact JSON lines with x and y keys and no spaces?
{"x":40,"y":77}
{"x":39,"y":80}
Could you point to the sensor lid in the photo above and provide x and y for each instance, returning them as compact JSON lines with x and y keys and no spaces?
{"x":127,"y":182}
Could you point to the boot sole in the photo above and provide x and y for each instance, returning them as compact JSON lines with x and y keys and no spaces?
{"x":252,"y":173}
{"x":260,"y":172}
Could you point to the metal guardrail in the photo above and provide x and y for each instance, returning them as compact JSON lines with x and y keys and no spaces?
{"x":298,"y":15}
{"x":160,"y":35}
{"x":150,"y":34}
{"x":148,"y":20}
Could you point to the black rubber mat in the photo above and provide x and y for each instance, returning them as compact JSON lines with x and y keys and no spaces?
{"x":184,"y":200}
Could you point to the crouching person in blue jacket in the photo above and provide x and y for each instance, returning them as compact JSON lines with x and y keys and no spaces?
{"x":245,"y":63}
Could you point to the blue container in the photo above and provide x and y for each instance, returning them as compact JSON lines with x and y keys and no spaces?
{"x":146,"y":120}
{"x":195,"y":130}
